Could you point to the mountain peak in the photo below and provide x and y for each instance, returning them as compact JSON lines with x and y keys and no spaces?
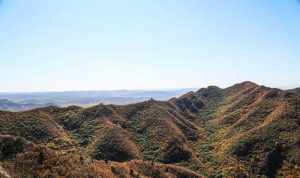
{"x":256,"y":126}
{"x":248,"y":84}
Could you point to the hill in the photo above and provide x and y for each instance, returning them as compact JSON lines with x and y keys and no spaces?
{"x":245,"y":130}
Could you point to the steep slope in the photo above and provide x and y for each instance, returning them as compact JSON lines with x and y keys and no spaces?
{"x":31,"y":160}
{"x":149,"y":130}
{"x":251,"y":130}
{"x":245,"y":130}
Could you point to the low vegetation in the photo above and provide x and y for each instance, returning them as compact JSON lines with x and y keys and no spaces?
{"x":245,"y":130}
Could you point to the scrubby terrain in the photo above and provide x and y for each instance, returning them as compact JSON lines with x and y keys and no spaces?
{"x":246,"y":130}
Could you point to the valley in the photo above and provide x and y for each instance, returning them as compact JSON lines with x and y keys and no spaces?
{"x":246,"y":130}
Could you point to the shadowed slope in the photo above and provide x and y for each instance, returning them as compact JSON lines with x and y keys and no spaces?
{"x":250,"y":129}
{"x":241,"y":131}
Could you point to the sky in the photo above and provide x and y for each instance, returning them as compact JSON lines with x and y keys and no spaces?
{"x":60,"y":45}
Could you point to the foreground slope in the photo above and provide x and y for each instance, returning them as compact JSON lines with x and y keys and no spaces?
{"x":250,"y":129}
{"x":245,"y":130}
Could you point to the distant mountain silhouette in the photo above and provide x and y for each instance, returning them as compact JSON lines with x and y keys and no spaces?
{"x":25,"y":101}
{"x":245,"y":130}
{"x":6,"y":104}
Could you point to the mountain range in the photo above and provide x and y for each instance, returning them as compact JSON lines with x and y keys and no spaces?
{"x":31,"y":100}
{"x":246,"y":130}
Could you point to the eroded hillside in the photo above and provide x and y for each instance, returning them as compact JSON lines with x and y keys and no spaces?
{"x":245,"y":130}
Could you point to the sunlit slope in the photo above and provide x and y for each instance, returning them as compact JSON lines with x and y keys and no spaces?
{"x":242,"y":131}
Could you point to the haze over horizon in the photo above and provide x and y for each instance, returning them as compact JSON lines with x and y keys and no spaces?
{"x":149,"y":88}
{"x":56,"y":45}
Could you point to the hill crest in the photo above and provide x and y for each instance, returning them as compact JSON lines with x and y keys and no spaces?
{"x":240,"y":131}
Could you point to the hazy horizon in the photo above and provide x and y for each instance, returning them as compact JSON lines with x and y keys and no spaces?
{"x":113,"y":90}
{"x":139,"y":90}
{"x":62,"y":45}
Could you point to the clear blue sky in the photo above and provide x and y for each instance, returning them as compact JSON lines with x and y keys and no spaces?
{"x":147,"y":44}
